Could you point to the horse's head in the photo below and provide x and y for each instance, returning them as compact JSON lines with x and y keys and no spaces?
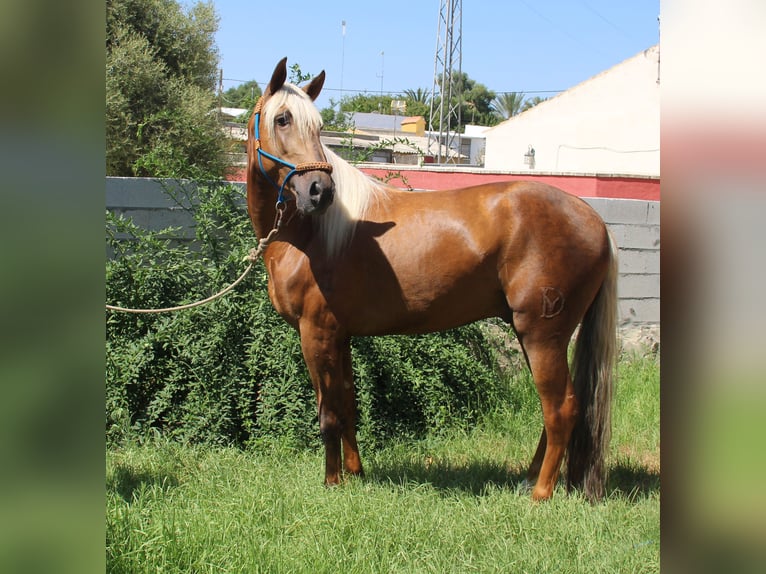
{"x":285,"y":152}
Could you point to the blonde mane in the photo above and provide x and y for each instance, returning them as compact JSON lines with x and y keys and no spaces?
{"x":355,"y":192}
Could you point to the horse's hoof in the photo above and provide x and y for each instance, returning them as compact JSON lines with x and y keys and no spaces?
{"x":331,"y":482}
{"x":525,"y":486}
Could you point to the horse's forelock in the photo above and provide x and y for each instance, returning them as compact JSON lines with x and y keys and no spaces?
{"x":305,"y":114}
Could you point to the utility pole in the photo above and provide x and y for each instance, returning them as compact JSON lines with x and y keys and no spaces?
{"x":342,"y":59}
{"x":382,"y":61}
{"x":446,"y":96}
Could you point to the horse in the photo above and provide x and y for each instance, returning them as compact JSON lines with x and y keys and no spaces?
{"x":351,"y":256}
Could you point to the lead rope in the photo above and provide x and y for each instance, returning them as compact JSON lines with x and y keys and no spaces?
{"x":253,"y":256}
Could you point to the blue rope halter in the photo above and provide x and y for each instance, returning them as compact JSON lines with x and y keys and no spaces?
{"x":299,"y":168}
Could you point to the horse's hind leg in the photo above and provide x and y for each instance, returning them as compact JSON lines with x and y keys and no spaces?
{"x":537,"y":461}
{"x":547,"y":359}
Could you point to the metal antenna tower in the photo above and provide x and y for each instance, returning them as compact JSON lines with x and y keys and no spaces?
{"x":446,"y":96}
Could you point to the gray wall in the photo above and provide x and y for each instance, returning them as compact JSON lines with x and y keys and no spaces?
{"x":634,"y":223}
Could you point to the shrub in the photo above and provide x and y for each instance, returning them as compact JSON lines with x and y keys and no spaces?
{"x":232,"y":372}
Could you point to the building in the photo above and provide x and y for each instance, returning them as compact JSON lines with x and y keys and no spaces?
{"x":386,"y":125}
{"x":608,"y":124}
{"x":235,"y":133}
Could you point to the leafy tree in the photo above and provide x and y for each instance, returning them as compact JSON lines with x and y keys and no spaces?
{"x":417,"y":105}
{"x":161,"y":65}
{"x":367,"y":103}
{"x":475,"y":102}
{"x":297,"y":76}
{"x":337,"y":121}
{"x":242,"y":96}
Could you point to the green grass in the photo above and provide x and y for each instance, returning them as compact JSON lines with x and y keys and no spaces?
{"x":450,"y":503}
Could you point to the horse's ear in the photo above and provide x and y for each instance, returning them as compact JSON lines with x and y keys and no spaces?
{"x":315,"y":86}
{"x":278,"y":77}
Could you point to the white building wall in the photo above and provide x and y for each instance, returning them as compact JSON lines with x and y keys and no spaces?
{"x":478,"y":144}
{"x":607,"y":124}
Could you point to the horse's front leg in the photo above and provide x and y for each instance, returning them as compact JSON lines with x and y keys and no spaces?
{"x":352,"y":463}
{"x":323,"y":351}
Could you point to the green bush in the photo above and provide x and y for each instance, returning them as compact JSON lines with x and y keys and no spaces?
{"x":232,"y":372}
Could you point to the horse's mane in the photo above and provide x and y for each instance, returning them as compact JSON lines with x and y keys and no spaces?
{"x":355,"y":192}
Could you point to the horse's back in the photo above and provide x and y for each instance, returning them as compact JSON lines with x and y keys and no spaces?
{"x":536,"y":203}
{"x":524,"y":217}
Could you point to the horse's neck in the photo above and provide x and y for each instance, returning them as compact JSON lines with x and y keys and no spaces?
{"x":262,"y":210}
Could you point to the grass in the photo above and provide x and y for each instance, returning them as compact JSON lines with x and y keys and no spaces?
{"x":451,"y":503}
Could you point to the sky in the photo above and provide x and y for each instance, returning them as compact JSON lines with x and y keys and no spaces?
{"x":539,"y":47}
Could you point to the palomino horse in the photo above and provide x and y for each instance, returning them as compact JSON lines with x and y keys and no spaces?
{"x":354,"y":257}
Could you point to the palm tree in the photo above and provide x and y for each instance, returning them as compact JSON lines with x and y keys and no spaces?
{"x":418,"y":103}
{"x":532,"y":102}
{"x":508,"y":104}
{"x":420,"y":95}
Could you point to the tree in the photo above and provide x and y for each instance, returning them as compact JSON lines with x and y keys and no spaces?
{"x":475,"y":108}
{"x":532,"y":102}
{"x":419,"y":95}
{"x":242,"y":96}
{"x":297,"y":76}
{"x":380,"y":103}
{"x":418,"y":102}
{"x":161,"y":65}
{"x":335,"y":121}
{"x":508,"y":104}
{"x":475,"y":102}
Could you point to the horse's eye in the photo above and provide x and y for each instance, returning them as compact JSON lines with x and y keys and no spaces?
{"x":283,"y":119}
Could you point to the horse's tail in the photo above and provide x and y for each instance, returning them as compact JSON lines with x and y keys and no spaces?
{"x":593,"y":369}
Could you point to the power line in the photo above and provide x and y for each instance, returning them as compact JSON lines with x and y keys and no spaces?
{"x":372,"y":91}
{"x":561,"y":29}
{"x":607,"y":20}
{"x":527,"y":92}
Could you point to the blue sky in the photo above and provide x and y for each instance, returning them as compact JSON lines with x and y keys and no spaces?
{"x":534,"y":46}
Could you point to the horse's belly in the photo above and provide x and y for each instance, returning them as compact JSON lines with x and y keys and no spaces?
{"x":425,"y":304}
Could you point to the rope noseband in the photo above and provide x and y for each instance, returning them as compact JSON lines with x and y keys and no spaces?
{"x":299,"y":168}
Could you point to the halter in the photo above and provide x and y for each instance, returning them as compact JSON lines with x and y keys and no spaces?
{"x":299,"y":168}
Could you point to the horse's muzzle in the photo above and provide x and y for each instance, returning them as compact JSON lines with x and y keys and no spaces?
{"x":317,"y":194}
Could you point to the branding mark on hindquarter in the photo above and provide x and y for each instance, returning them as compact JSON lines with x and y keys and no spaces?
{"x":553,"y":302}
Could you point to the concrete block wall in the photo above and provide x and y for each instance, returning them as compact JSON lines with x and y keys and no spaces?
{"x":634,"y":223}
{"x":148,"y":203}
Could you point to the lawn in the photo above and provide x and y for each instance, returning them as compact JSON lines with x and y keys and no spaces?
{"x":448,"y":503}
